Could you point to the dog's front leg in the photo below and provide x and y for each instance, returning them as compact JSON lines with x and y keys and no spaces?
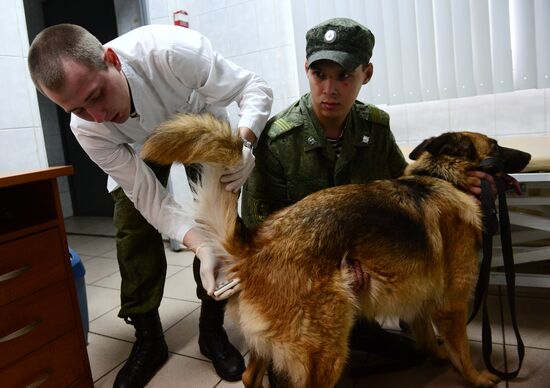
{"x":255,"y":371}
{"x":451,"y":324}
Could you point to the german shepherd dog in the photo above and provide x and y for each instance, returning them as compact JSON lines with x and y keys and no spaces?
{"x":415,"y":239}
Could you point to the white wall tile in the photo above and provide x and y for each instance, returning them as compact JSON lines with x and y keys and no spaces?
{"x":242,"y":29}
{"x":10,"y":44}
{"x":22,"y":27}
{"x":475,"y":114}
{"x":236,"y":2}
{"x":214,"y":26}
{"x":211,"y":5}
{"x":252,"y":62}
{"x":279,"y":70}
{"x":15,"y":102}
{"x":274,"y":31}
{"x":161,"y":20}
{"x":427,"y":119}
{"x":192,"y":7}
{"x":33,"y":100}
{"x":157,"y":9}
{"x":19,"y":150}
{"x":40,"y":146}
{"x":195,"y":22}
{"x":520,"y":112}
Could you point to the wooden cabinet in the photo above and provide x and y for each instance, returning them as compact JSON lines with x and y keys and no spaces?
{"x":41,"y":337}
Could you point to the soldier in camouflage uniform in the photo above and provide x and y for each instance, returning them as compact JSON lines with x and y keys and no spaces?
{"x":328,"y":138}
{"x":296,"y":158}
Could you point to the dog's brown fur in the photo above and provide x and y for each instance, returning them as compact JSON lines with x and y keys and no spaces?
{"x":417,"y":238}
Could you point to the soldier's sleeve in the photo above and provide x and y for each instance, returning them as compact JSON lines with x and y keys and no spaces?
{"x":265,"y":190}
{"x":396,"y":160}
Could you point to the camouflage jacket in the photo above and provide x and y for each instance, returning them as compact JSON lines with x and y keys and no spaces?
{"x":294,"y":159}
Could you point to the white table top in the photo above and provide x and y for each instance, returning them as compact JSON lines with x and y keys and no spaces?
{"x":532,"y":177}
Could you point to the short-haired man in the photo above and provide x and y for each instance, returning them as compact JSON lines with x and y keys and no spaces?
{"x":117,"y":94}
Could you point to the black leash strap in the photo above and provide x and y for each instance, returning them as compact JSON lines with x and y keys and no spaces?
{"x":490,"y":226}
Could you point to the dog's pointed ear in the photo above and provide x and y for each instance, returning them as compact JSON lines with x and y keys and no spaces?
{"x":453,"y":144}
{"x":415,"y":154}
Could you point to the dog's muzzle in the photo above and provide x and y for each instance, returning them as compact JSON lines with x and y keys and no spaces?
{"x":492,"y":166}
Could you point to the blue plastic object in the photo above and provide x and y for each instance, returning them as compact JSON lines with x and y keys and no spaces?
{"x":80,"y":285}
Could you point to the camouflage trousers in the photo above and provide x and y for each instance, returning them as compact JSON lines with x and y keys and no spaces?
{"x":140,"y":254}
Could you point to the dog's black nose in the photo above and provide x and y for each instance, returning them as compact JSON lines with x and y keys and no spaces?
{"x":514,"y":160}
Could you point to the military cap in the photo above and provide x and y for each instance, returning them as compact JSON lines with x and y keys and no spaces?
{"x":341,"y":40}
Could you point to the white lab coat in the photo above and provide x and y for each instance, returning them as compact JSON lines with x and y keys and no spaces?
{"x":170,"y":69}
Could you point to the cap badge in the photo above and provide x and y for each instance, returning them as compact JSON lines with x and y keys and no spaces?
{"x":366,"y":139}
{"x":330,"y":35}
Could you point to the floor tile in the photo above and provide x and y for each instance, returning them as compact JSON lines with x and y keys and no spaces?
{"x":535,"y":370}
{"x":430,"y":374}
{"x":85,"y":258}
{"x":474,"y":328}
{"x":171,"y":312}
{"x":182,"y":286}
{"x":185,"y":372}
{"x":101,"y":300}
{"x":91,"y":246}
{"x":183,"y":337}
{"x":110,"y":254}
{"x":178,"y":372}
{"x":182,"y":258}
{"x":102,"y":226}
{"x":533,"y":318}
{"x":111,"y":339}
{"x":105,"y":354}
{"x":97,"y":268}
{"x":113,"y":280}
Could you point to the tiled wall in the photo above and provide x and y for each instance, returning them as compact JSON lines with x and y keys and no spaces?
{"x":21,"y":138}
{"x":258,"y":35}
{"x":255,"y":34}
{"x":22,"y":133}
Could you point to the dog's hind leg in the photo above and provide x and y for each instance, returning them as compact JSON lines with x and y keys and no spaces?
{"x":326,"y":367}
{"x":423,"y":333}
{"x":255,"y":371}
{"x":451,"y":324}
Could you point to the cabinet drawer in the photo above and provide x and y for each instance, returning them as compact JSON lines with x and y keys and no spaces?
{"x":58,"y":364}
{"x":35,"y":320}
{"x":31,"y":263}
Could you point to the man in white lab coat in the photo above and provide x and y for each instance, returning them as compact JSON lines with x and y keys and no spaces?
{"x":117,"y":94}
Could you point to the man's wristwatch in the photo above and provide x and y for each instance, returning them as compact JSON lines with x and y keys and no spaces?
{"x":247,"y":144}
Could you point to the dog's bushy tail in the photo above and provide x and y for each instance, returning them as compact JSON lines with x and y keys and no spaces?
{"x":189,"y":138}
{"x":206,"y":140}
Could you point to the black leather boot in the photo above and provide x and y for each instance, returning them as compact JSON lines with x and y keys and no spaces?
{"x":148,"y":354}
{"x":215,"y":345}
